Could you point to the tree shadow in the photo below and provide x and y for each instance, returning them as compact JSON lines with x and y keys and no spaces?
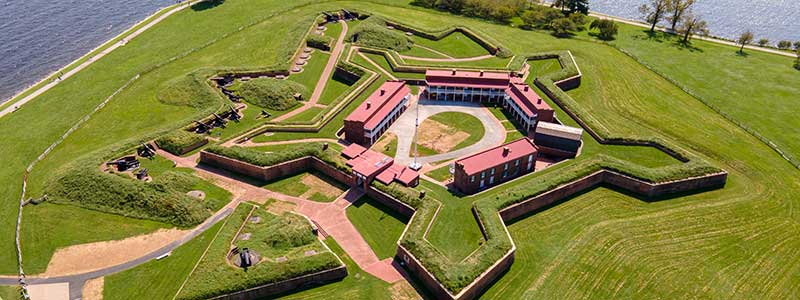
{"x":209,"y":4}
{"x":597,"y":36}
{"x":681,"y":45}
{"x":742,"y":53}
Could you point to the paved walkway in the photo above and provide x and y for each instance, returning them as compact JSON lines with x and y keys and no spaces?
{"x":323,"y":79}
{"x":495,"y":133}
{"x":11,"y":108}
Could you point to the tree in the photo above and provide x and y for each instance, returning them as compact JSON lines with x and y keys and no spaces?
{"x":797,"y":45}
{"x":783,"y":45}
{"x":763,"y":42}
{"x":563,"y":27}
{"x":797,"y":61}
{"x":678,"y":9}
{"x":745,"y":39}
{"x":692,"y":24}
{"x":608,"y":29}
{"x":577,"y":6}
{"x":654,"y":12}
{"x":540,"y":16}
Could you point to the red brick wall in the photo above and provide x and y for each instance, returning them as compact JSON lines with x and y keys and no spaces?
{"x":354,"y":132}
{"x":616,"y":179}
{"x":390,"y":202}
{"x":288,"y":168}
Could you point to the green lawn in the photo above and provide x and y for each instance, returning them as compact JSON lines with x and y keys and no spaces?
{"x":442,"y":174}
{"x":380,"y":226}
{"x":10,"y":292}
{"x":544,"y":66}
{"x":333,"y":90}
{"x":739,"y":242}
{"x":417,"y":51}
{"x":307,"y":115}
{"x":45,"y":233}
{"x":320,"y":187}
{"x":455,"y":44}
{"x":390,"y":148}
{"x":159,"y":279}
{"x":381,"y":61}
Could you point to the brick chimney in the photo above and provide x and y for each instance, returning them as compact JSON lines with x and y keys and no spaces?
{"x":481,"y":73}
{"x":369,"y":104}
{"x":454,"y":71}
{"x":526,"y":88}
{"x":383,"y":92}
{"x":506,"y":151}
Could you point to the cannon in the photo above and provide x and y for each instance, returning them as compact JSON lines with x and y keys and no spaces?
{"x":142,"y":174}
{"x":146,"y":150}
{"x":202,"y":128}
{"x":218,"y":121}
{"x":233,"y":114}
{"x":125,"y":163}
{"x":245,"y":258}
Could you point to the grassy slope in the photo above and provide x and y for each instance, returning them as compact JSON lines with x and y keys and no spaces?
{"x":134,"y":111}
{"x":379,"y":225}
{"x":456,"y":45}
{"x":311,"y":71}
{"x":159,"y":279}
{"x":749,"y":222}
{"x":751,"y":88}
{"x":357,"y":285}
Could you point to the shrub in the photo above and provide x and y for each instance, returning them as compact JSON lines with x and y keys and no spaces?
{"x":375,"y":34}
{"x":540,"y":17}
{"x":784,"y":45}
{"x":608,"y":29}
{"x":319,"y":41}
{"x":162,"y":200}
{"x":180,"y":142}
{"x":563,"y":27}
{"x":271,"y":93}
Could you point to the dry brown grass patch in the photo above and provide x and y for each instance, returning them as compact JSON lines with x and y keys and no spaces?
{"x":440,"y":137}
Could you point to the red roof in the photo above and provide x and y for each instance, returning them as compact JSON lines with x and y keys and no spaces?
{"x":399,"y":173}
{"x":370,"y":163}
{"x":467,"y":79}
{"x":379,"y":104}
{"x":353,"y":151}
{"x":495,"y":156}
{"x":527,"y":99}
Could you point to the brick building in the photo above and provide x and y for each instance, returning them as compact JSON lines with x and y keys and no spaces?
{"x":517,"y":98}
{"x":373,"y":117}
{"x":494,"y":166}
{"x":370,"y":165}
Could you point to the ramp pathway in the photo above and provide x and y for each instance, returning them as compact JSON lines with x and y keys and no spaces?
{"x":323,"y":79}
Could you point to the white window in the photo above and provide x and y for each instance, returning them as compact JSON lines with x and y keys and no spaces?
{"x":516,"y":163}
{"x":483,"y":174}
{"x":505,"y":166}
{"x":492,"y":171}
{"x":472,"y":178}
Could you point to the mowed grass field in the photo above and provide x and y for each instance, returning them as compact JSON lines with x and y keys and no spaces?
{"x":380,"y":226}
{"x":740,"y":242}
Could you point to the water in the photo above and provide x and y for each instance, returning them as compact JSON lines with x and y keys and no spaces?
{"x":775,"y":20}
{"x":37,"y":37}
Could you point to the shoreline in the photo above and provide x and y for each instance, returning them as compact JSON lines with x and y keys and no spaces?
{"x":8,"y":102}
